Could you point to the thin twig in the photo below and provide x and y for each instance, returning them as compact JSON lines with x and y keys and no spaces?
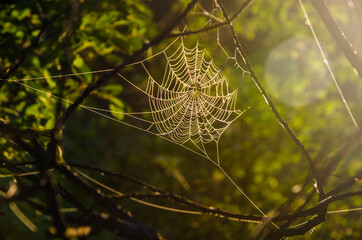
{"x":345,"y":185}
{"x":158,"y":193}
{"x":115,"y":209}
{"x":338,"y":35}
{"x":271,"y":104}
{"x":216,"y":26}
{"x":31,"y":48}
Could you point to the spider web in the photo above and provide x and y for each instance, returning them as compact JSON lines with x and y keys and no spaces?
{"x":192,"y":103}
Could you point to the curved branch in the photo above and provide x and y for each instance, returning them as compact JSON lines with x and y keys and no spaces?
{"x":319,"y":209}
{"x":205,"y":29}
{"x":158,"y":193}
{"x":298,"y":231}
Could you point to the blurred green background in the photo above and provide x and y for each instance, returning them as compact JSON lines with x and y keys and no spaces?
{"x":254,"y":150}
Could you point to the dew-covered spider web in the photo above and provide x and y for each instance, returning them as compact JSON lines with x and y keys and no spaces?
{"x":192,"y":103}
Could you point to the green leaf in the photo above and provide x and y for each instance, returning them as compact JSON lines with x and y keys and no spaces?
{"x":78,"y":61}
{"x":113,"y":89}
{"x":51,"y":82}
{"x":117,"y":108}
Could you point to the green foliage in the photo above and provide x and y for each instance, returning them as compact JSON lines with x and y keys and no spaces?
{"x":255,"y":150}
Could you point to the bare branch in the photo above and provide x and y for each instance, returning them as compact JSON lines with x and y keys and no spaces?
{"x":205,"y":29}
{"x":271,"y":104}
{"x":158,"y":193}
{"x":345,"y":185}
{"x":338,"y":35}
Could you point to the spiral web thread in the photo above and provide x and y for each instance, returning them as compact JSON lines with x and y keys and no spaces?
{"x":192,"y":103}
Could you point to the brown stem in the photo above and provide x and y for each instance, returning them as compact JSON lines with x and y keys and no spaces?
{"x":216,"y":26}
